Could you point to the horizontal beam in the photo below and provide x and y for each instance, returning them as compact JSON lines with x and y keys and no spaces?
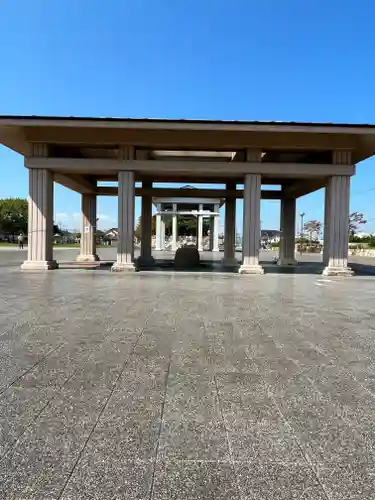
{"x":76,"y":183}
{"x":193,"y":168}
{"x":187,"y":193}
{"x":301,"y":188}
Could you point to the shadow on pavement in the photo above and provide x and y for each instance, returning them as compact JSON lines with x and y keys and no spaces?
{"x":207,"y":266}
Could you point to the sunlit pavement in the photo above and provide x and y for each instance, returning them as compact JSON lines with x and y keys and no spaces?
{"x":185,"y":386}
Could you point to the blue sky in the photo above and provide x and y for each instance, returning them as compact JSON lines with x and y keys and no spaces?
{"x":243,"y":59}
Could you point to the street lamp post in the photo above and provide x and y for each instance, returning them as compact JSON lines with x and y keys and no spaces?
{"x":302,"y":215}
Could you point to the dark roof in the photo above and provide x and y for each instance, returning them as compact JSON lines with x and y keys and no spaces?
{"x":183,"y":120}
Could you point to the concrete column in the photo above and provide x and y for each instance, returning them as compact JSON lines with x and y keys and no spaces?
{"x":326,"y":230}
{"x":211,"y":240}
{"x":174,"y":228}
{"x":230,"y":230}
{"x":160,"y":226}
{"x":126,"y":201}
{"x":146,"y":258}
{"x":251,"y":225}
{"x":287,"y":232}
{"x":336,"y":234}
{"x":162,"y":233}
{"x":88,"y":229}
{"x":40,"y":221}
{"x":200,"y":230}
{"x":216,"y":229}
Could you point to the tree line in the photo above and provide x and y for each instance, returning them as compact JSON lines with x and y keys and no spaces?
{"x":13,"y":218}
{"x":14,"y":214}
{"x":313,"y":228}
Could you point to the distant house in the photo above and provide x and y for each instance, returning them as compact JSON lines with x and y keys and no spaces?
{"x":111,"y":234}
{"x":270,"y":235}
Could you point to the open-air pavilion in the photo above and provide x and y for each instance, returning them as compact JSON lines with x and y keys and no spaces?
{"x":82,"y":153}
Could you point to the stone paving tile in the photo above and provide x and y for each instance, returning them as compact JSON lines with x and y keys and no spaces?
{"x":277,"y":481}
{"x":42,"y":461}
{"x":194,"y":480}
{"x":22,"y":402}
{"x":348,"y":481}
{"x":256,"y":430}
{"x":118,"y":461}
{"x":193,"y":427}
{"x":232,"y":386}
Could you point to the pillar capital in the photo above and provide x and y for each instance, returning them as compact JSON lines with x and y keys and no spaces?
{"x":39,"y":149}
{"x":253,"y":155}
{"x":126,"y":153}
{"x":342,"y":157}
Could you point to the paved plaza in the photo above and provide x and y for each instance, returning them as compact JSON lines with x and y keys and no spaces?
{"x":171,"y":386}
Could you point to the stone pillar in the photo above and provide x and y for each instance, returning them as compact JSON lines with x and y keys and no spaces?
{"x":216,"y":229}
{"x":211,"y":240}
{"x":326,"y":230}
{"x":174,"y":228}
{"x":200,"y":229}
{"x":40,"y":221}
{"x":125,"y":244}
{"x":146,"y":258}
{"x":160,"y":228}
{"x":336,"y":234}
{"x":88,"y":229}
{"x":251,"y":222}
{"x":287,"y":232}
{"x":230,"y":230}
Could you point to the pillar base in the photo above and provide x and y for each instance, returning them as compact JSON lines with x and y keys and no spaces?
{"x":123,"y":267}
{"x":287,"y":262}
{"x":39,"y":265}
{"x":251,"y":269}
{"x":147,"y":261}
{"x":87,"y":258}
{"x":229,"y":262}
{"x":337,"y":271}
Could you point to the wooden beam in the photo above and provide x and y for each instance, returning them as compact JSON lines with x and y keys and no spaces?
{"x":188,"y":193}
{"x":76,"y":183}
{"x":301,"y":188}
{"x":193,"y":168}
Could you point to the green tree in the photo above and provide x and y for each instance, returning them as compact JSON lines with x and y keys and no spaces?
{"x":13,"y":216}
{"x":355,"y":219}
{"x":313,"y":227}
{"x":187,"y":226}
{"x":57,"y":230}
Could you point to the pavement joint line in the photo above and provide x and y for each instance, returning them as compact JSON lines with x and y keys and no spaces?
{"x":13,"y":446}
{"x":308,"y":460}
{"x":102,"y":410}
{"x":160,"y":427}
{"x":31,"y":368}
{"x":229,"y":444}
